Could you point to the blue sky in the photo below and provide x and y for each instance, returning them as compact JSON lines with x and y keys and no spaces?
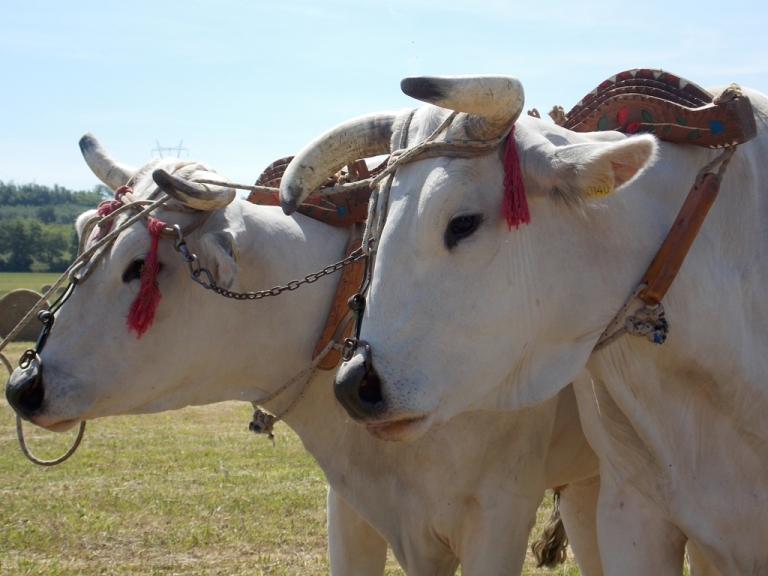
{"x":245,"y":83}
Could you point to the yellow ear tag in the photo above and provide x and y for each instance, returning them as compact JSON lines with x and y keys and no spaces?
{"x":602,"y":187}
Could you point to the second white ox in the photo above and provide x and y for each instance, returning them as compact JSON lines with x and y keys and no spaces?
{"x":465,"y":313}
{"x":468,"y":492}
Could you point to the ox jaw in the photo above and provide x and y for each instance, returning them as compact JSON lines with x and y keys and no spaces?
{"x":55,"y":425}
{"x":405,"y":429}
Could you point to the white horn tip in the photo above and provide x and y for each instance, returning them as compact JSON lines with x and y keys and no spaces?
{"x":289,"y":199}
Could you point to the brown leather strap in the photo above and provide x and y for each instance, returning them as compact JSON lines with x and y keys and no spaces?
{"x":673,"y":251}
{"x":351,"y":277}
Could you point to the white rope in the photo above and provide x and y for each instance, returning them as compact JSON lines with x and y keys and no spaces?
{"x":263,"y":422}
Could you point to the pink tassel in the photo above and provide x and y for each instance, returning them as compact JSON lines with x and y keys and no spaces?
{"x":142,"y":312}
{"x":515,"y":205}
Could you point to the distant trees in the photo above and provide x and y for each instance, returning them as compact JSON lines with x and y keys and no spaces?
{"x":37,"y":225}
{"x":12,"y":194}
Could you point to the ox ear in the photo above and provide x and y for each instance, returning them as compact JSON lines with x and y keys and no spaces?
{"x":218,"y":255}
{"x":596,"y":169}
{"x":82,"y":220}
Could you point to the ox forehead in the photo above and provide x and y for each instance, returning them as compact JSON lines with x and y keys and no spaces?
{"x":504,"y":319}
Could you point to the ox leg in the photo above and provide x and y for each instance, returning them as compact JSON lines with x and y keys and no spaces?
{"x":497,"y":543}
{"x":634,"y":535}
{"x":635,"y":540}
{"x":354,"y":547}
{"x":698,"y":563}
{"x":578,"y":509}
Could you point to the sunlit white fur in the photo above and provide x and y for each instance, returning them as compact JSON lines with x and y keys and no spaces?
{"x":507,"y":318}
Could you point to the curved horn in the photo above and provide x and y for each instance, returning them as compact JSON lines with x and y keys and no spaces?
{"x":193,"y":194}
{"x":360,"y":137}
{"x":491,"y":103}
{"x":113,"y":173}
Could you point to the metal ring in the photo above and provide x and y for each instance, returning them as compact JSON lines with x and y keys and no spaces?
{"x":22,"y":442}
{"x":38,"y":461}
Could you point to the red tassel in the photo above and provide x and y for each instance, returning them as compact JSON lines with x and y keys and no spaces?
{"x":515,"y":205}
{"x":106,"y":207}
{"x":142,"y":312}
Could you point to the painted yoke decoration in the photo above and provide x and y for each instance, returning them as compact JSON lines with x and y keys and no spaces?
{"x":643,"y":100}
{"x":341,"y":208}
{"x":676,"y":110}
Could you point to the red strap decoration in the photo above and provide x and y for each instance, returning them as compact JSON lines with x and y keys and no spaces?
{"x":142,"y":312}
{"x":515,"y":205}
{"x":106,"y":207}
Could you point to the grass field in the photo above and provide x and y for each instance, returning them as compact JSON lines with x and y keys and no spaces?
{"x":185,"y":492}
{"x":32,"y":280}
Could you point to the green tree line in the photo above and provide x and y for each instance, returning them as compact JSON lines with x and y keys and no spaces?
{"x":37,"y":231}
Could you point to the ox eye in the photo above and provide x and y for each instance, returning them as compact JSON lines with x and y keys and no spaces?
{"x":133,"y":271}
{"x":461,"y":227}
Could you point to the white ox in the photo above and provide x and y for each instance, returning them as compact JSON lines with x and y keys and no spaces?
{"x":464,"y":313}
{"x":467,"y":492}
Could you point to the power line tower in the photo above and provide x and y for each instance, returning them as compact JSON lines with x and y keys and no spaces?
{"x":169,"y":150}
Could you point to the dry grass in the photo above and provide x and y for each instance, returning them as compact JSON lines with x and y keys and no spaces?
{"x":186,"y":492}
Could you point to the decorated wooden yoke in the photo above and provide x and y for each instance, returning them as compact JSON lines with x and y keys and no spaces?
{"x":672,"y":108}
{"x":675,"y":110}
{"x":335,"y":207}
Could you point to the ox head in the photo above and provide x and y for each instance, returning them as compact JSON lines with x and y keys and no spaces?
{"x":194,"y":352}
{"x":463,"y":312}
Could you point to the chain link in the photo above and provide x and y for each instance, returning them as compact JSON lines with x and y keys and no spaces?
{"x":196,"y":272}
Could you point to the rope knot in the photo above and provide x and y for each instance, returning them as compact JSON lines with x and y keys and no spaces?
{"x":649,"y":322}
{"x":262,"y":423}
{"x":106,"y":207}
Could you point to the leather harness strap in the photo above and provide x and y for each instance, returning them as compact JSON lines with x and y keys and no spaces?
{"x":675,"y":110}
{"x":351,"y":278}
{"x":340,"y":209}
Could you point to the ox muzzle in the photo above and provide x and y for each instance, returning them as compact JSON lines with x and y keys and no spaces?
{"x":24,"y":390}
{"x":357,"y":386}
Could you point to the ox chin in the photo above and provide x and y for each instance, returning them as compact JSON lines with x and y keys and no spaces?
{"x":55,"y":425}
{"x":401,"y":429}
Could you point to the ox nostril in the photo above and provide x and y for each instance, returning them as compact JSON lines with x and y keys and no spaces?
{"x":25,"y":390}
{"x":358,"y":388}
{"x":30,"y":399}
{"x":370,"y":389}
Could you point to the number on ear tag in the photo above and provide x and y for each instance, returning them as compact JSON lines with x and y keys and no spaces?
{"x":602,"y":187}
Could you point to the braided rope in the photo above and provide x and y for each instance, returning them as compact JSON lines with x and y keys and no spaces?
{"x":263,"y":422}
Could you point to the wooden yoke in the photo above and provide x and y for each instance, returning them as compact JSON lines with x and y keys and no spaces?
{"x":672,"y":108}
{"x":676,"y":110}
